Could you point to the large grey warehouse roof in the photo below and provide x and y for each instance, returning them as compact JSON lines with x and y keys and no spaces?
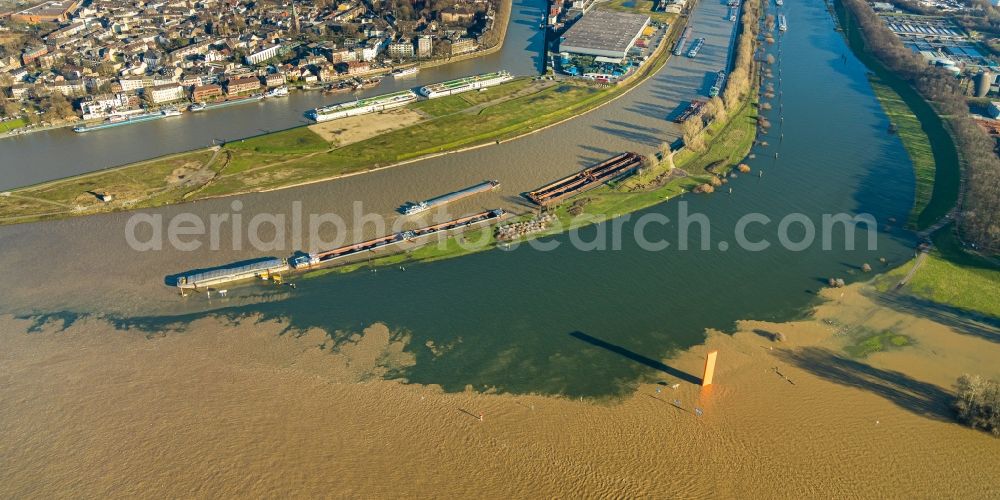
{"x":602,"y":32}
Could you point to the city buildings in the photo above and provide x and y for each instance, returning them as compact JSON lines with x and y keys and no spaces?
{"x":87,"y":50}
{"x":263,"y":54}
{"x":242,"y":84}
{"x":166,"y":93}
{"x":47,"y":12}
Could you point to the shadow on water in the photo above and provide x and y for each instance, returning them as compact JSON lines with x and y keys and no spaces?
{"x":638,"y":358}
{"x":908,"y":393}
{"x":40,"y":321}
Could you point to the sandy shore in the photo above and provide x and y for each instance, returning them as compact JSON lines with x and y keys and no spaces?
{"x":251,"y":410}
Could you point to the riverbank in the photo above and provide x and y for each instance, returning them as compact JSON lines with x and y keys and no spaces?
{"x":313,"y":161}
{"x":944,"y":191}
{"x":908,"y":127}
{"x":803,"y":403}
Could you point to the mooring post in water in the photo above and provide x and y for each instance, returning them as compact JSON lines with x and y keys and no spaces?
{"x":706,"y":379}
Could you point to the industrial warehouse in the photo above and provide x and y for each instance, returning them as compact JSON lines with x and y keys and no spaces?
{"x":601,"y":43}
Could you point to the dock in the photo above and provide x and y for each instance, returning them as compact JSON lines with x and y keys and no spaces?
{"x":585,"y":179}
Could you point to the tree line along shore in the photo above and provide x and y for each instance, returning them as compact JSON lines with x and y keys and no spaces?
{"x":921,"y":85}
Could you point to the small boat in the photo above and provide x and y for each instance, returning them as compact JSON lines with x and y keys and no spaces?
{"x":339,"y":88}
{"x":403,"y":73}
{"x":367,"y":83}
{"x":277,"y":92}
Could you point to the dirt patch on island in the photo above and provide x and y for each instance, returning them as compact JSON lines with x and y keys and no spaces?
{"x":190,"y":173}
{"x":358,"y":128}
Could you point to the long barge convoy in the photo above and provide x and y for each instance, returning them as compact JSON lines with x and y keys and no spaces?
{"x":696,"y":47}
{"x":693,"y":108}
{"x":119,"y":120}
{"x":263,"y":268}
{"x":362,"y":106}
{"x":310,"y":260}
{"x":423,"y":206}
{"x":459,"y":85}
{"x":271,"y":267}
{"x":682,"y":41}
{"x":720,"y":81}
{"x":585,"y":179}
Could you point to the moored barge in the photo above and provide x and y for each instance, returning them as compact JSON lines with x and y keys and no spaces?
{"x":466,"y":84}
{"x":691,"y":110}
{"x":585,"y":179}
{"x":263,"y":268}
{"x":362,"y":106}
{"x":423,"y":206}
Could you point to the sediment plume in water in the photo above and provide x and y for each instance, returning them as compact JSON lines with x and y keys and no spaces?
{"x":250,"y":408}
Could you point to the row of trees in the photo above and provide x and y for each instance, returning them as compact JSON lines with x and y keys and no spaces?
{"x":739,"y":82}
{"x":741,"y":78}
{"x":980,"y":219}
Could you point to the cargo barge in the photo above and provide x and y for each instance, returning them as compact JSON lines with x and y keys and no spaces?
{"x":720,"y":81}
{"x":782,"y":23}
{"x":585,"y":179}
{"x":310,"y":260}
{"x":119,"y":120}
{"x":423,"y":206}
{"x":201,"y":106}
{"x":263,"y":268}
{"x":690,"y":111}
{"x":696,"y":47}
{"x":457,"y":86}
{"x":362,"y":106}
{"x":682,"y":41}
